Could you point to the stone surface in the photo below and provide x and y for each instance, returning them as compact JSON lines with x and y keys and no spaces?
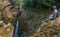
{"x":7,"y":18}
{"x":51,"y":29}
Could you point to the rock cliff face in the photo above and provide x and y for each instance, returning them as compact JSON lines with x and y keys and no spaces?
{"x":7,"y":18}
{"x":6,"y":30}
{"x":48,"y":29}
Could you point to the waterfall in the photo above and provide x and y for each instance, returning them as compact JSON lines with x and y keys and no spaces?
{"x":16,"y":29}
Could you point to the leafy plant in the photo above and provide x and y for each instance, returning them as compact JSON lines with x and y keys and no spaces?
{"x":32,"y":2}
{"x":48,"y":2}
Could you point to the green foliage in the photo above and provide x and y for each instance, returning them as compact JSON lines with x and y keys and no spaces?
{"x":48,"y":2}
{"x":35,"y":2}
{"x":20,"y":2}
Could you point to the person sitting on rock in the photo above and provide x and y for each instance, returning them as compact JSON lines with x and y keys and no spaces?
{"x":55,"y":11}
{"x":54,"y":14}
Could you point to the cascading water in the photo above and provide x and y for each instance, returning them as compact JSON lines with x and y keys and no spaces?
{"x":17,"y":32}
{"x":16,"y":29}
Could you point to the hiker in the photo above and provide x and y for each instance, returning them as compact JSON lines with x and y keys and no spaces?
{"x":54,"y":14}
{"x":55,"y":11}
